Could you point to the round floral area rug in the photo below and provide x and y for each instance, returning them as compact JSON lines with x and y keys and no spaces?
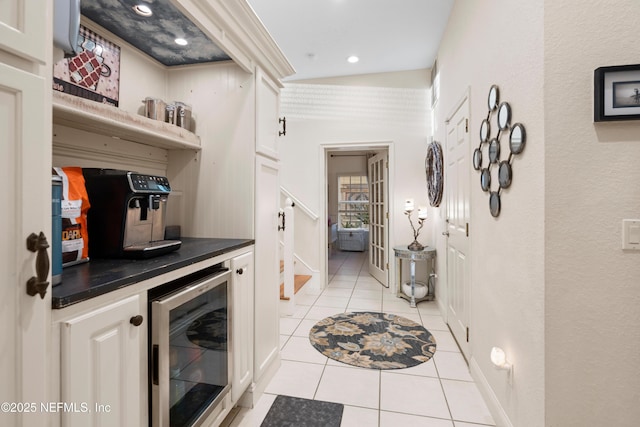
{"x":373,"y":340}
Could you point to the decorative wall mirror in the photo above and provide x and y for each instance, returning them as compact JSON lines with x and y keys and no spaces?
{"x":493,"y":98}
{"x":494,"y":203}
{"x":516,"y":146}
{"x":485,"y":129}
{"x":504,"y":174}
{"x":494,"y":151}
{"x":477,"y":159}
{"x":434,"y":170}
{"x":504,"y":116}
{"x":485,"y":179}
{"x":517,"y":138}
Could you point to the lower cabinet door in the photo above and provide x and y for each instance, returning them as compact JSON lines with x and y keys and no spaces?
{"x":242,"y":324}
{"x":102,"y":366}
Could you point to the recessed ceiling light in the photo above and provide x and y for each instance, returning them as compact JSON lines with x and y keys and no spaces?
{"x":353,"y":59}
{"x":142,"y":10}
{"x":181,"y":41}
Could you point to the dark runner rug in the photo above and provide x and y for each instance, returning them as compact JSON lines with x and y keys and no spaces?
{"x":297,"y":412}
{"x":373,"y":340}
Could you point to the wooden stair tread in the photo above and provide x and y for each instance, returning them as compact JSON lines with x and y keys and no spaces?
{"x":298,"y":282}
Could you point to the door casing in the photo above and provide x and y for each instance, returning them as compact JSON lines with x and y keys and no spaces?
{"x":324,"y":150}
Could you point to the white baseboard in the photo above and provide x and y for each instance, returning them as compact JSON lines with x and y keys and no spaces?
{"x":497,"y":412}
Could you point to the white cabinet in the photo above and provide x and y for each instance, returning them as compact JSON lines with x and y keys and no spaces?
{"x":103,"y":365}
{"x":267,"y":289}
{"x":23,"y":28}
{"x":267,"y":111}
{"x":25,"y":165}
{"x":241,"y":324}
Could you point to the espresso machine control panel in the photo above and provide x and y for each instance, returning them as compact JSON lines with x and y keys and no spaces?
{"x":140,"y":183}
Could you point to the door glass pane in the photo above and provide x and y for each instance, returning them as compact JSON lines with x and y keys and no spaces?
{"x":198,"y":359}
{"x":353,"y":201}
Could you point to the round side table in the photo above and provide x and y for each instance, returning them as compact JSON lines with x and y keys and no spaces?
{"x":427,"y":254}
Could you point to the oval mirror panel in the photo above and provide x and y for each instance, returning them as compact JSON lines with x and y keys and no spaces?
{"x":485,"y":179}
{"x":477,"y":159}
{"x":517,"y":139}
{"x":494,"y":151}
{"x":493,"y":98}
{"x":504,"y":174}
{"x":494,"y":204}
{"x":504,"y":116}
{"x":484,"y":130}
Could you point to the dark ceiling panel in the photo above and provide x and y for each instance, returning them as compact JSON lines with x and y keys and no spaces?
{"x":154,"y":35}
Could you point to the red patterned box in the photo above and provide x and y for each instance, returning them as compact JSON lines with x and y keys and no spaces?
{"x":94,"y":73}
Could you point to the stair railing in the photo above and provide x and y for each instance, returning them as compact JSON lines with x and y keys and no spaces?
{"x":297,"y":203}
{"x":288,"y":221}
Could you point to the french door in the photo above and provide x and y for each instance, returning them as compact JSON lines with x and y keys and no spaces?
{"x":378,"y":230}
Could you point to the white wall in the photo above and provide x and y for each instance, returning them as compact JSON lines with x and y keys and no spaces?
{"x":413,"y":79}
{"x":217,"y":182}
{"x":592,"y":291}
{"x":326,"y":115}
{"x":501,"y":42}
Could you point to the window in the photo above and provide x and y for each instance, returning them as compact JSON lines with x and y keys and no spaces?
{"x":353,"y":201}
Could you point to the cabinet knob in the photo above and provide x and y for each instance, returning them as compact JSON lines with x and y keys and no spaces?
{"x":240,"y":270}
{"x":136,"y":320}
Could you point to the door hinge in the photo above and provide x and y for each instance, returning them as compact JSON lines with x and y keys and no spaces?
{"x":466,"y":125}
{"x":387,"y":213}
{"x":467,"y":334}
{"x":467,"y":229}
{"x":387,"y":266}
{"x":387,"y":164}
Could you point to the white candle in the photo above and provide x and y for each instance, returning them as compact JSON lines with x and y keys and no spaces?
{"x":422,"y":213}
{"x":408,"y":205}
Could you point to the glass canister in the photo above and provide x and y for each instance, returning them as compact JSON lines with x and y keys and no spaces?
{"x":56,"y":230}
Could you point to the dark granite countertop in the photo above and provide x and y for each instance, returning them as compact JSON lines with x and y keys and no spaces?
{"x":99,"y":276}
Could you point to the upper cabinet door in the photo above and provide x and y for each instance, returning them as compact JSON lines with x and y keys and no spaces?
{"x":23,"y":29}
{"x":267,"y":120}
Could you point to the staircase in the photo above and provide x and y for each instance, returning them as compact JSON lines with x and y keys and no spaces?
{"x":299,"y":281}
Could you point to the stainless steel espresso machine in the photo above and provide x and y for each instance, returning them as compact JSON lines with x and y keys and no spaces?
{"x":127,"y":214}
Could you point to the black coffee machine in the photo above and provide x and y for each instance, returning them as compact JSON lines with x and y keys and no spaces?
{"x":127,"y":214}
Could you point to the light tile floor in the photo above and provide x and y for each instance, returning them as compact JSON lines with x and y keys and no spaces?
{"x":438,"y":393}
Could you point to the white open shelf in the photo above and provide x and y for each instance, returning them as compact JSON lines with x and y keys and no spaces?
{"x":104,"y":119}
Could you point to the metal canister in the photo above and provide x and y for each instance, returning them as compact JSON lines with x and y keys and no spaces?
{"x":56,"y":230}
{"x":154,"y":108}
{"x":183,"y":115}
{"x":170,"y":114}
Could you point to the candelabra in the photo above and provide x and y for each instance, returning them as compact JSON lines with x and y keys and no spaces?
{"x":422,"y":215}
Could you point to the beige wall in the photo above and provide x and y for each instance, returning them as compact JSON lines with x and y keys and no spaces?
{"x":501,"y":42}
{"x":592,"y":292}
{"x":550,"y":282}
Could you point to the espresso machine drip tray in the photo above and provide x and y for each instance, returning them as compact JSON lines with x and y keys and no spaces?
{"x":151,"y":249}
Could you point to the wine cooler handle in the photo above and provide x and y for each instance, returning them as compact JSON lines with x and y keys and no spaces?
{"x":38,"y":284}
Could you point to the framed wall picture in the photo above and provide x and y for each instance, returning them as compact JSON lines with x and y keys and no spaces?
{"x":616,"y":93}
{"x":94,"y":73}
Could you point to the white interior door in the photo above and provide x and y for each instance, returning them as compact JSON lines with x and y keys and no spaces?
{"x":457,"y":176}
{"x":378,"y":235}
